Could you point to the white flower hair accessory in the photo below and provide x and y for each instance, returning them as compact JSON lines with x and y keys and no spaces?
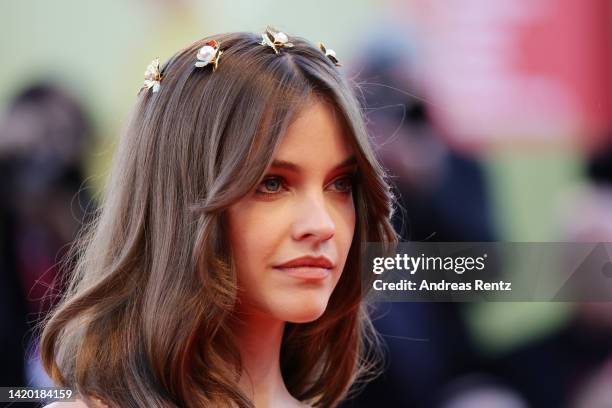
{"x":275,"y":40}
{"x":209,"y":55}
{"x":329,"y":53}
{"x":152,"y":76}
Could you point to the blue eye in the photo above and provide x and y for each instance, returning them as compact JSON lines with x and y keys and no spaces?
{"x":277,"y":184}
{"x":270,"y":185}
{"x":344,"y":184}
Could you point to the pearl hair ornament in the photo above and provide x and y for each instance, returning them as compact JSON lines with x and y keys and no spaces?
{"x":210,"y":54}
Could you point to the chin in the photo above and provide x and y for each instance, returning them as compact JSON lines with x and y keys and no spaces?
{"x":302,"y":309}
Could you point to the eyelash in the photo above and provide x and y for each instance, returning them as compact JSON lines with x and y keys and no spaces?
{"x":351,"y":178}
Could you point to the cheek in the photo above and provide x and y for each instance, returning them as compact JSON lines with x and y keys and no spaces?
{"x":254,"y":234}
{"x":345,"y":220}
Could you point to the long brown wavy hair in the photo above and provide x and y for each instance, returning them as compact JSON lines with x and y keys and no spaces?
{"x":145,"y":320}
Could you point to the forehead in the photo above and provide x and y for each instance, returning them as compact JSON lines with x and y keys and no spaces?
{"x":316,"y":138}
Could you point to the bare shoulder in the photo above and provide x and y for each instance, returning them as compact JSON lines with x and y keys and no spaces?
{"x":74,"y":404}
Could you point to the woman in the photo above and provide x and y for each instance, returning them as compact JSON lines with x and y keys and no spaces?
{"x":224,"y":267}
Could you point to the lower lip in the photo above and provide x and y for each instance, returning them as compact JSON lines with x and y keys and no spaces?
{"x":306,"y":272}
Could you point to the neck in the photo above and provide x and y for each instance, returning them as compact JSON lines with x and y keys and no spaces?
{"x":259,"y":340}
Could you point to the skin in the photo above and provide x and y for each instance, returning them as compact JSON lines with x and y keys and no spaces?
{"x":303,"y":209}
{"x":75,"y":404}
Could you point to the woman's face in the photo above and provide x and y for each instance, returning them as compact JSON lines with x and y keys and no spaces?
{"x":291,"y":236}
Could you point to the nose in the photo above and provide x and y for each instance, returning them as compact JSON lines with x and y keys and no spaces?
{"x":313,"y":220}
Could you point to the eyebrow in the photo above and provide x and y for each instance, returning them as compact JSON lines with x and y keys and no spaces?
{"x":349,"y":162}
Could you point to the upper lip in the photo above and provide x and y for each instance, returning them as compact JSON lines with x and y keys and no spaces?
{"x":308,"y":261}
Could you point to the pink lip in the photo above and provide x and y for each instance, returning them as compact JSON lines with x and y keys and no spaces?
{"x":308,"y":261}
{"x":307,"y":267}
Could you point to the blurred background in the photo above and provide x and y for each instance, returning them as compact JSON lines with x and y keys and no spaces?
{"x":494,"y":118}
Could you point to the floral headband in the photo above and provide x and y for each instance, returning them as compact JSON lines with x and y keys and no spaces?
{"x":210,"y":54}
